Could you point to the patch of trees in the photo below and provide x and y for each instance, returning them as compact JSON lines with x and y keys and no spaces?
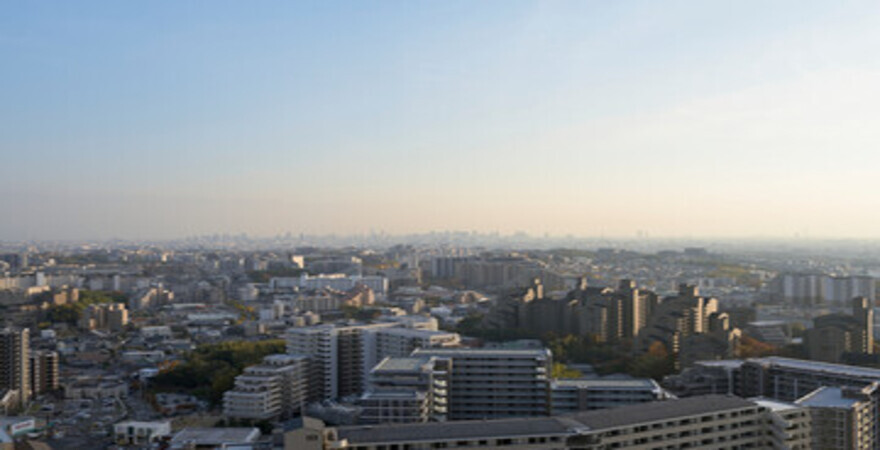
{"x":656,"y":363}
{"x":360,"y":314}
{"x":605,"y":358}
{"x":472,"y":326}
{"x":210,"y":370}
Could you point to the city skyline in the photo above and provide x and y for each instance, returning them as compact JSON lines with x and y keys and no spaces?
{"x":673,"y":119}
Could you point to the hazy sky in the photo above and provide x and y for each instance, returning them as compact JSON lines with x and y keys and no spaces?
{"x":154,"y":119}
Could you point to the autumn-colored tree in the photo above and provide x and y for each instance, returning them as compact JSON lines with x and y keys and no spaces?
{"x":658,"y":350}
{"x":752,"y":348}
{"x":656,"y":363}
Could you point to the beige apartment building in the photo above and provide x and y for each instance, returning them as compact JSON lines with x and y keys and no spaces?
{"x":107,"y":316}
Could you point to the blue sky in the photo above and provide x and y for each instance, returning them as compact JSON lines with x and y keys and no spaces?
{"x":679,"y":118}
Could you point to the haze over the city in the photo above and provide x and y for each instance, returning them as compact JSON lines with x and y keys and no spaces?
{"x":675,"y":119}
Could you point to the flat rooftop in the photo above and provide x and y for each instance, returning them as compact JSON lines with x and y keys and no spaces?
{"x":774,"y":405}
{"x":586,"y":383}
{"x":827,"y":397}
{"x":397,"y":394}
{"x":470,"y":429}
{"x":816,"y":366}
{"x":659,"y":411}
{"x":285,"y":358}
{"x":401,"y":364}
{"x":724,"y":363}
{"x":216,"y":436}
{"x":477,"y":352}
{"x":413,"y":332}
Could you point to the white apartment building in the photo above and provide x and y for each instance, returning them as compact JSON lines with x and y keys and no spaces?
{"x":496,"y":383}
{"x":344,"y":355}
{"x":277,"y":388}
{"x":407,"y":390}
{"x":337,"y":281}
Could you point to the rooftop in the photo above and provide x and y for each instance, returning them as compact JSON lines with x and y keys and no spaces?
{"x":401,"y":364}
{"x":837,"y":369}
{"x":660,"y":411}
{"x":774,"y":405}
{"x":412,"y":332}
{"x":538,"y":353}
{"x":284,"y":358}
{"x":396,"y":394}
{"x":543,"y":426}
{"x":827,"y":397}
{"x":585,"y":383}
{"x":216,"y":436}
{"x":724,"y":363}
{"x":457,"y":430}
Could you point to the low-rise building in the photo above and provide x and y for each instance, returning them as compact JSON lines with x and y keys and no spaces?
{"x":143,"y":356}
{"x":141,"y":433}
{"x":161,"y":331}
{"x":13,"y":427}
{"x":8,"y":400}
{"x":95,"y":387}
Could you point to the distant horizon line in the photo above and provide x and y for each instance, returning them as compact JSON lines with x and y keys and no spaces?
{"x":441,"y":233}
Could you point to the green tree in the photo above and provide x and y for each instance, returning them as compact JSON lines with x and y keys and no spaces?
{"x":560,"y":370}
{"x":210,"y":370}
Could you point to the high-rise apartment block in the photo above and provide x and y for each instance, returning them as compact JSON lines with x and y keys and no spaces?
{"x":687,"y":324}
{"x":678,"y":317}
{"x":343,"y":355}
{"x":606,"y":314}
{"x":15,"y":364}
{"x":481,"y":272}
{"x":43,"y":371}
